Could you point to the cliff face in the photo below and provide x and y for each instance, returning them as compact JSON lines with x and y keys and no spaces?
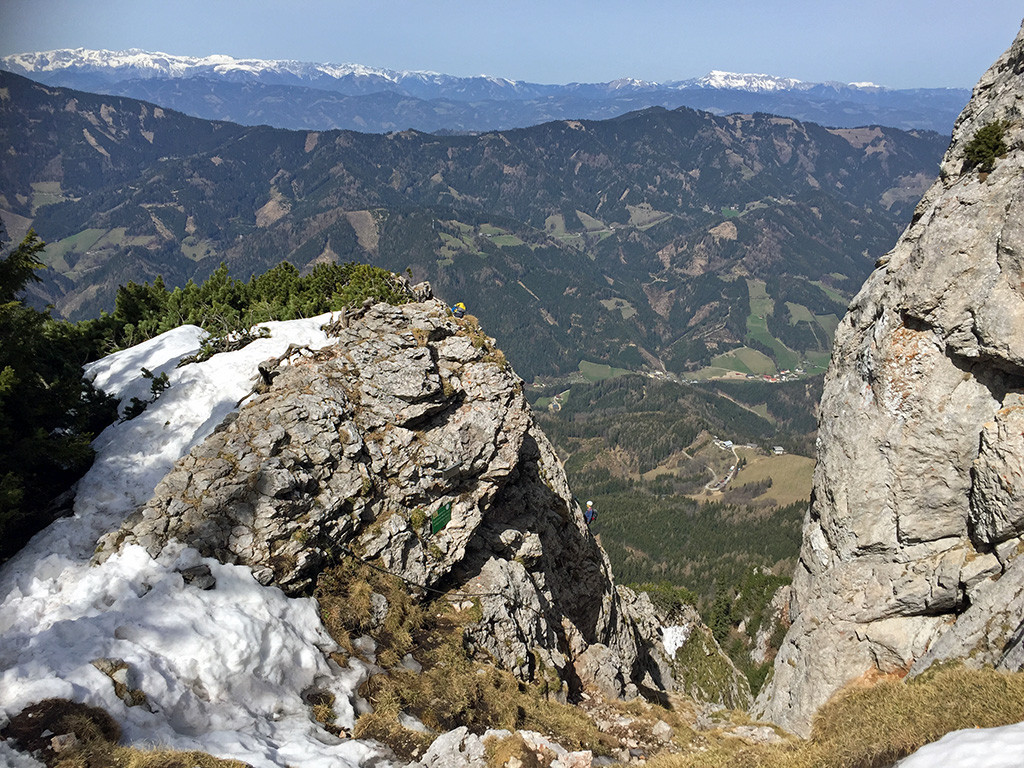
{"x":356,"y":449}
{"x":910,"y":548}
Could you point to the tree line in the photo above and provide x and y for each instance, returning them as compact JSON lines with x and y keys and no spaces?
{"x":222,"y":305}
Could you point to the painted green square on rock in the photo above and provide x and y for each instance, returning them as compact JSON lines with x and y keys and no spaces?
{"x":441,"y":517}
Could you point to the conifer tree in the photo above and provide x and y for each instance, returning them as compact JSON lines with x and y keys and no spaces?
{"x":48,"y":414}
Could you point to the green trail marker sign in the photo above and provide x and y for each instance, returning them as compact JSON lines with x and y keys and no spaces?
{"x":441,"y":518}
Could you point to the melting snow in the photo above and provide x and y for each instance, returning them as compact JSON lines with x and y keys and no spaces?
{"x":223,"y":670}
{"x":674,"y":638}
{"x":977,"y":748}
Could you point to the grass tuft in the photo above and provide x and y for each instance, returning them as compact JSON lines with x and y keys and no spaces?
{"x":345,"y":595}
{"x":498,"y":753}
{"x":451,"y":689}
{"x":94,"y":743}
{"x":873,"y":726}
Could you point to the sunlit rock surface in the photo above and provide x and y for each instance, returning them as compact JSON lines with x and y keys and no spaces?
{"x":910,"y":546}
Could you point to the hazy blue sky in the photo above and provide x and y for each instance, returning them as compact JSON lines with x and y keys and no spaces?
{"x":898,"y":43}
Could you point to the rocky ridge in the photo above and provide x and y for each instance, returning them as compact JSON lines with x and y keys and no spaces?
{"x":910,"y":548}
{"x":359,"y":449}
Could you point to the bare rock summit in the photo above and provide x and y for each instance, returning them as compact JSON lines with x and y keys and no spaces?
{"x":409,"y":444}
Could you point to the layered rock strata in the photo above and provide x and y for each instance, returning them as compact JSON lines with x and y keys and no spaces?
{"x":363,"y":448}
{"x":910,"y":548}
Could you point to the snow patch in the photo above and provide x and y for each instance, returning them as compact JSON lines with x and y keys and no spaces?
{"x":223,"y":670}
{"x":675,"y":637}
{"x":977,"y":747}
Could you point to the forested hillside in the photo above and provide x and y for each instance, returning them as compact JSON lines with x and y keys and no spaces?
{"x":672,"y":240}
{"x":645,"y":450}
{"x":694,"y":502}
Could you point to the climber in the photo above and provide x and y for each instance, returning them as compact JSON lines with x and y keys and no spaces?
{"x":459,"y":310}
{"x":590,"y":514}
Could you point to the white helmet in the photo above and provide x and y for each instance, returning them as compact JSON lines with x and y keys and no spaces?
{"x":590,"y":503}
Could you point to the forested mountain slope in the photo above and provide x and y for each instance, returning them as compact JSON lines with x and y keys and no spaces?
{"x":657,"y":239}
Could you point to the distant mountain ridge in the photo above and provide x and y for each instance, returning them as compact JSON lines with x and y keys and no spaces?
{"x":352,"y":96}
{"x":137,"y":63}
{"x":660,"y":238}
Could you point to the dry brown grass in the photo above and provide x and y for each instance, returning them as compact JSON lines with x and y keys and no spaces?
{"x":878,"y":725}
{"x":452,"y":689}
{"x":94,"y":745}
{"x":382,"y":725}
{"x":873,"y":726}
{"x":498,"y":753}
{"x":344,"y":594}
{"x":471,"y":328}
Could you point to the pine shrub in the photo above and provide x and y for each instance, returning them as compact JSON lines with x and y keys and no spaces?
{"x":987,"y":144}
{"x":48,"y":414}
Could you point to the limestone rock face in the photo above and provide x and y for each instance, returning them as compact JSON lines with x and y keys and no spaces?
{"x":357,"y":450}
{"x":910,"y":543}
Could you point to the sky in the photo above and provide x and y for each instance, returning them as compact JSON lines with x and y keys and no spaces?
{"x":896,"y":43}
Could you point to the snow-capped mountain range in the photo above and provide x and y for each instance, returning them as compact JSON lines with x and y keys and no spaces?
{"x":357,"y":97}
{"x":136,"y":63}
{"x":142,"y":65}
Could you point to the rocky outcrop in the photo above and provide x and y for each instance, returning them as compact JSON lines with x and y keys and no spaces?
{"x":409,"y":444}
{"x":699,"y":666}
{"x":910,"y":545}
{"x":461,"y":749}
{"x":776,"y":618}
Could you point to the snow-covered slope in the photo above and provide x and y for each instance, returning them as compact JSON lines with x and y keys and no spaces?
{"x":369,"y":425}
{"x":223,"y":669}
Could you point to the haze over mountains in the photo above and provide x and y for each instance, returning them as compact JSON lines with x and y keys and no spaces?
{"x":660,"y":238}
{"x":303,"y":95}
